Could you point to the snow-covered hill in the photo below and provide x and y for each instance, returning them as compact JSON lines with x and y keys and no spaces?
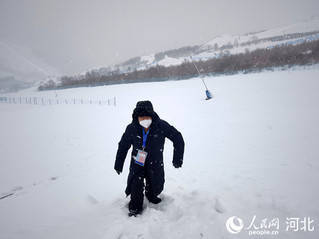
{"x":224,"y":45}
{"x":251,"y":151}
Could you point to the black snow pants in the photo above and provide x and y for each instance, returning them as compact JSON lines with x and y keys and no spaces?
{"x":137,"y":189}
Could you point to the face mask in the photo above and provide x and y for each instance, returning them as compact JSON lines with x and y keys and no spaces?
{"x":146,"y":123}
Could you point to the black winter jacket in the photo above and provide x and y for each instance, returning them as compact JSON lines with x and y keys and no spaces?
{"x":154,"y":167}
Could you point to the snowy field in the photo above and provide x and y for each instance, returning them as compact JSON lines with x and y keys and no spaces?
{"x":251,"y":151}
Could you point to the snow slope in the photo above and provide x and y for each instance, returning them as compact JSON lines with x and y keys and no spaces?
{"x":252,"y":150}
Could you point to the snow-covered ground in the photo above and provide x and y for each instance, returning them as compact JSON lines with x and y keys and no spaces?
{"x":251,"y":151}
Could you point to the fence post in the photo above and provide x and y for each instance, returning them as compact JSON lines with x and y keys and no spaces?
{"x":45,"y":101}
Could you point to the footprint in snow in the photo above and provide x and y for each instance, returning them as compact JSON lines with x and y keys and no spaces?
{"x":17,"y":188}
{"x":219,"y":207}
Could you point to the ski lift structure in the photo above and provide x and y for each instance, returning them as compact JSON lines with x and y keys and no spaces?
{"x":207,"y":92}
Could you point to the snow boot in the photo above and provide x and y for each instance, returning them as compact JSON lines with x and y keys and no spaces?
{"x":134,"y":212}
{"x":154,"y":199}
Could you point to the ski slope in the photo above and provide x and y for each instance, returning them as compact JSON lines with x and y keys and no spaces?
{"x":252,"y":150}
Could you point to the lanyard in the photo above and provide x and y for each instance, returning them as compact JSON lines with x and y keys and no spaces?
{"x":145,"y":137}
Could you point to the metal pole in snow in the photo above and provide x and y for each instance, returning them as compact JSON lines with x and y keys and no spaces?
{"x":208,"y":94}
{"x":199,"y":73}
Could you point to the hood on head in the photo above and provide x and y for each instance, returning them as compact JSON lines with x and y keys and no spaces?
{"x":144,"y":108}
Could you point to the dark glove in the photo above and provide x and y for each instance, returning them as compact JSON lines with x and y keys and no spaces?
{"x":177,"y":165}
{"x":118,"y":172}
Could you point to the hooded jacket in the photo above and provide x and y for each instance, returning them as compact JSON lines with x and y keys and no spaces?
{"x":153,"y":169}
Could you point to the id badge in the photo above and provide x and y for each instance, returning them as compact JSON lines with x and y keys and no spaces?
{"x":140,"y":157}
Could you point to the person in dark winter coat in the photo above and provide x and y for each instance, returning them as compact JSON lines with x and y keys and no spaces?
{"x":147,"y":134}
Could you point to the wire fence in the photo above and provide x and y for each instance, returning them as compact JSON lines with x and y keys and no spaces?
{"x":56,"y":101}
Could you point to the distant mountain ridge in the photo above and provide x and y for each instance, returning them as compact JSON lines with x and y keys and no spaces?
{"x":220,"y":46}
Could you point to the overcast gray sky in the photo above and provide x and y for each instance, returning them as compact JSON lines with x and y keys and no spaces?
{"x":74,"y":35}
